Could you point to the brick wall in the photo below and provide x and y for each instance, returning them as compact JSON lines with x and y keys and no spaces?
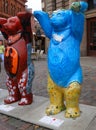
{"x":11,"y":7}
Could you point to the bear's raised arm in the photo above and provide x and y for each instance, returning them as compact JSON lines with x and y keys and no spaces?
{"x":44,"y":21}
{"x":77,"y":22}
{"x":25,"y":19}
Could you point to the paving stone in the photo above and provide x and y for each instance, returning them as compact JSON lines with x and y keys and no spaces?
{"x":6,"y":126}
{"x":92,"y":125}
{"x":25,"y":126}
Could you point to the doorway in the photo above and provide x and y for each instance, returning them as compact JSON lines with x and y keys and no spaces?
{"x":91,"y":37}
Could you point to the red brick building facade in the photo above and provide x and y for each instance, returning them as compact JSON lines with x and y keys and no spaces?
{"x":11,"y":7}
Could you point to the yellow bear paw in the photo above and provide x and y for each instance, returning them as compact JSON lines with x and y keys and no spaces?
{"x":54,"y":109}
{"x":72,"y":112}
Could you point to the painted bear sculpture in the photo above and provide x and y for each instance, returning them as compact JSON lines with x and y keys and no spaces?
{"x":17,"y":57}
{"x":65,"y":29}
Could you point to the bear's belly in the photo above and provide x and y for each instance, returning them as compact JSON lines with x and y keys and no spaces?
{"x":15,"y":58}
{"x":62,"y":64}
{"x":11,"y":60}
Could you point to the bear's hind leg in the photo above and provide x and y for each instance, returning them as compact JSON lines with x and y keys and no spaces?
{"x":56,"y":98}
{"x":25,"y":85}
{"x":72,"y":94}
{"x":14,"y":94}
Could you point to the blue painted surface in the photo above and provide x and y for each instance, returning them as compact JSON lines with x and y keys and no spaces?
{"x":65,"y":30}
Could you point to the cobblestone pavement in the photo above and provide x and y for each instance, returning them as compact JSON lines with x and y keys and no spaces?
{"x":88,"y":95}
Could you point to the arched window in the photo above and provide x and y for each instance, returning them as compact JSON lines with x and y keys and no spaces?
{"x":6,"y":6}
{"x":11,"y":10}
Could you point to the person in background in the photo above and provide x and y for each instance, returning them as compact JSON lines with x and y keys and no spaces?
{"x":1,"y":51}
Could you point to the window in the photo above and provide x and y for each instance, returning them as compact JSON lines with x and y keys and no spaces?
{"x":94,"y":2}
{"x":13,"y":9}
{"x":91,"y":36}
{"x":6,"y":6}
{"x":91,"y":4}
{"x":54,"y":4}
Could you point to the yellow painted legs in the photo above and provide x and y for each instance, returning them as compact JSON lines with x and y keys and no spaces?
{"x":57,"y":96}
{"x":72,"y":94}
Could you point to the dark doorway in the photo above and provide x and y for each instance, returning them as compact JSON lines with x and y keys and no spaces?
{"x":91,"y":37}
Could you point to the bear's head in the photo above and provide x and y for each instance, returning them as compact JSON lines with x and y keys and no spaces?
{"x":13,"y":25}
{"x":60,"y":19}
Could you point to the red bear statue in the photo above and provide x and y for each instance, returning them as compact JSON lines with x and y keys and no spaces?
{"x":17,"y":57}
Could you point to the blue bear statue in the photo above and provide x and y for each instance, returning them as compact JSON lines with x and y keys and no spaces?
{"x":65,"y":29}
